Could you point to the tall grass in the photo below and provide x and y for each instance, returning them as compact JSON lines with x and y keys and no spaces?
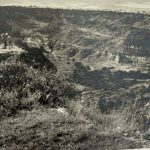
{"x":116,"y":122}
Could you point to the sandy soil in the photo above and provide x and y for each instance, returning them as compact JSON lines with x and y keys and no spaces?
{"x":12,"y":50}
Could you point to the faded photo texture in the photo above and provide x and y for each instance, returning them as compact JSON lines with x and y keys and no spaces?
{"x":74,"y":74}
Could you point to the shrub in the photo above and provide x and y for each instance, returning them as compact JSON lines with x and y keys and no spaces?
{"x":24,"y":87}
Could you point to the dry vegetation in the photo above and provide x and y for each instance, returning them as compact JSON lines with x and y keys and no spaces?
{"x":23,"y":87}
{"x":62,"y":103}
{"x":40,"y":110}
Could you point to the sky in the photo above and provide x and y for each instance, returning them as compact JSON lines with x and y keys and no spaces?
{"x":129,"y":5}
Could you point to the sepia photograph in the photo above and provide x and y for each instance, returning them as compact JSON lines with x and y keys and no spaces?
{"x":74,"y":74}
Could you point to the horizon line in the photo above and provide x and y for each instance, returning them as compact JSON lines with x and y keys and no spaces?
{"x":84,"y":9}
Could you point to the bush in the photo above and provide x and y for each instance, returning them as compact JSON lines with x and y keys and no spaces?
{"x":23,"y":87}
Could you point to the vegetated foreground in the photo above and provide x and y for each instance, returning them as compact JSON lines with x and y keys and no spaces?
{"x":78,"y":80}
